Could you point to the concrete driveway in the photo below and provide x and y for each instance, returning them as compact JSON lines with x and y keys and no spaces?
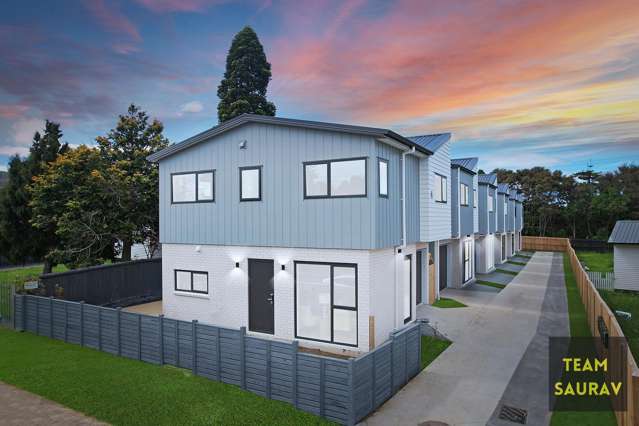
{"x":498,"y":345}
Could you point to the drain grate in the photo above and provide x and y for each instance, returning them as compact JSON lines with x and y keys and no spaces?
{"x":513,"y":414}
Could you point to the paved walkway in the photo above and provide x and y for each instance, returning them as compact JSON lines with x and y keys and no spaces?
{"x":18,"y":407}
{"x":495,"y":348}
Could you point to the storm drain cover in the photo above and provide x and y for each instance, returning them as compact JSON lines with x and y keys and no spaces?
{"x":513,"y":414}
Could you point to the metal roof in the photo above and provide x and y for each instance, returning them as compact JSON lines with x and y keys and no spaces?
{"x":468,"y":164}
{"x":431,"y":142}
{"x":252,"y":118}
{"x":503,"y":188}
{"x":488,"y":179}
{"x":625,"y":232}
{"x":513,"y":193}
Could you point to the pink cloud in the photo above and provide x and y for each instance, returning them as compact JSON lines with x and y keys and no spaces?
{"x":112,"y":19}
{"x":163,"y":6}
{"x":12,"y":110}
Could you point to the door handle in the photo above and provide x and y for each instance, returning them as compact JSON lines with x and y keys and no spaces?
{"x":270,"y":298}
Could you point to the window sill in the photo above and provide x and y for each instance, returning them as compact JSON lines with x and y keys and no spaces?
{"x":188,"y":294}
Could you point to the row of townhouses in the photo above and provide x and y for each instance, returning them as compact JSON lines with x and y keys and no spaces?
{"x":325,"y":233}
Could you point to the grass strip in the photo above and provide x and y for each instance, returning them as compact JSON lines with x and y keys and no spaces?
{"x":432,"y":347}
{"x":445,"y":302}
{"x":491,"y":284}
{"x":506,"y":271}
{"x":514,"y":262}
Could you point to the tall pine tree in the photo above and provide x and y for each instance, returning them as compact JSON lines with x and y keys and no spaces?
{"x":243,"y":89}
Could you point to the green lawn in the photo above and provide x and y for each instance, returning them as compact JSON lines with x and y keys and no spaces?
{"x":431,"y":348}
{"x":121,"y":391}
{"x":445,"y":302}
{"x":598,"y":262}
{"x":578,"y":327}
{"x":491,"y":284}
{"x":514,"y":262}
{"x":27,"y":273}
{"x":629,"y":302}
{"x":506,"y":271}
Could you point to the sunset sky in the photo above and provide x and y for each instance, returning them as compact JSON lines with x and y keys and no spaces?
{"x":518,"y":83}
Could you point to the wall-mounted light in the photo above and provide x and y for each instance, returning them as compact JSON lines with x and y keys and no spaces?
{"x":399,"y":250}
{"x":283,"y":267}
{"x":243,"y":144}
{"x":237,"y":264}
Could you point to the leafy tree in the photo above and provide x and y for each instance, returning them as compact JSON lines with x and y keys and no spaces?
{"x":124,"y":149}
{"x":76,"y":197}
{"x":243,"y":89}
{"x":18,"y":240}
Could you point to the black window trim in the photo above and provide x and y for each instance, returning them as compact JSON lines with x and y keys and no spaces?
{"x":259,"y":169}
{"x":379,"y":181}
{"x":460,"y":195}
{"x":444,"y":199}
{"x":175,"y":271}
{"x":196,"y":173}
{"x":333,"y":306}
{"x":409,"y":257}
{"x":328,"y":178}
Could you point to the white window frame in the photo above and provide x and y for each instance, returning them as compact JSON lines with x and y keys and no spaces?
{"x":475,"y":198}
{"x":467,"y":260}
{"x":380,"y":162}
{"x":196,"y":177}
{"x":491,"y":202}
{"x":463,"y":194}
{"x":441,"y":182}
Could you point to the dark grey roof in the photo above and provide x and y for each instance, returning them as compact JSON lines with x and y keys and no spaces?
{"x":490,"y":179}
{"x":625,"y":232}
{"x":251,"y":118}
{"x":512,"y":193}
{"x":468,"y":164}
{"x":503,"y":188}
{"x":431,"y":142}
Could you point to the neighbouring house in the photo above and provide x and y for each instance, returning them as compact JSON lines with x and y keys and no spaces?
{"x":625,"y":241}
{"x":510,"y":222}
{"x":501,"y":247}
{"x":486,"y":239}
{"x":519,"y":220}
{"x":465,"y":221}
{"x":302,"y":230}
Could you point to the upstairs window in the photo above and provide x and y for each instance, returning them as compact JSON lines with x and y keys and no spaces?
{"x":491,"y":201}
{"x":251,"y":183}
{"x":463,"y":194}
{"x":382,"y":168}
{"x":193,"y":187}
{"x":475,"y":199}
{"x":336,"y":178}
{"x":441,"y":188}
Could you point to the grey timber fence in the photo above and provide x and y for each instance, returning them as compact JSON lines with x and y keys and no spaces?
{"x":117,"y":284}
{"x":341,"y":390}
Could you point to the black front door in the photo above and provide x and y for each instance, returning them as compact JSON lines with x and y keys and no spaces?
{"x":418,"y":284}
{"x":260,"y":272}
{"x":443,"y":270}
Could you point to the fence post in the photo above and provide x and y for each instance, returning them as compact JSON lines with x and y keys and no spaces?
{"x":12,"y":308}
{"x":66,"y":321}
{"x":218,"y":355}
{"x":51,"y":317}
{"x":23,"y":301}
{"x":118,"y":322}
{"x":322,"y":385}
{"x":177,"y":343}
{"x":100,"y":329}
{"x":82,"y":323}
{"x":392,"y":363}
{"x":294,"y":348}
{"x":194,"y":343}
{"x":37,"y":330}
{"x":405,"y":357}
{"x":243,"y":357}
{"x":139,"y":337}
{"x":351,"y":396}
{"x":268,"y":369}
{"x":161,"y":337}
{"x":373,"y":368}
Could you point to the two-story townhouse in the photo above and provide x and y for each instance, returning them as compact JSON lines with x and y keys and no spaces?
{"x":501,"y":247}
{"x":485,"y":239}
{"x":464,"y":217}
{"x":435,"y":214}
{"x":298,"y":229}
{"x":519,"y":220}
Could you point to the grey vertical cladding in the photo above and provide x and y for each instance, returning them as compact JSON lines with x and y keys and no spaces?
{"x":492,"y":216}
{"x":343,"y":391}
{"x":283,"y":218}
{"x":466,"y":212}
{"x":454,"y":200}
{"x":482,"y":193}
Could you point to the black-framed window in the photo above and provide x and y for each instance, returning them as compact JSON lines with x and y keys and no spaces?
{"x":336,"y":178}
{"x":326,"y":302}
{"x":382,"y":177}
{"x":468,"y":260}
{"x":463,"y":194}
{"x":251,"y":183}
{"x":441,"y":188}
{"x":193,"y":187}
{"x":191,"y":281}
{"x":407,"y":296}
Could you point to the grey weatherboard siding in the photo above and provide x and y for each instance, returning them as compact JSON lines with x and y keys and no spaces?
{"x":284,"y":218}
{"x":501,"y":197}
{"x":462,"y":215}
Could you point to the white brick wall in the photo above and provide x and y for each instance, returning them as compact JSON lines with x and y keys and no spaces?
{"x":227,"y":302}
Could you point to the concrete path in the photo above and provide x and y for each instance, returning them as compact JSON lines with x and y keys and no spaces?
{"x":464,"y":385}
{"x":18,"y":407}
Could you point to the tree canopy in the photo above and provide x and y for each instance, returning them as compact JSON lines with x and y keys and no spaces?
{"x":243,"y":88}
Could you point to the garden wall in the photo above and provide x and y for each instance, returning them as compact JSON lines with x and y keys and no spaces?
{"x":344,"y":391}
